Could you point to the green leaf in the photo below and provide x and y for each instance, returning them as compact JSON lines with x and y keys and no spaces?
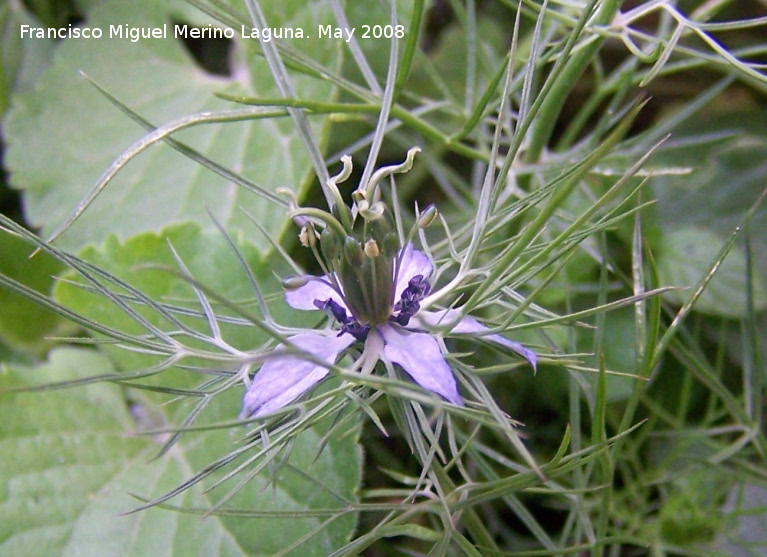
{"x":697,"y":212}
{"x":57,"y":450}
{"x":24,"y":324}
{"x":618,"y":350}
{"x":65,"y":133}
{"x":147,"y":263}
{"x":69,"y":464}
{"x":21,"y":59}
{"x":687,"y":254}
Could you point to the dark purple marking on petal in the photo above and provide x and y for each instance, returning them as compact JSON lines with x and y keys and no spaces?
{"x":348,"y":325}
{"x":417,"y":289}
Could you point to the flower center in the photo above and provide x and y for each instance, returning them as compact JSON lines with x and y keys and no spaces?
{"x":364,"y":269}
{"x":408,"y":305}
{"x":367,"y":281}
{"x":358,"y":248}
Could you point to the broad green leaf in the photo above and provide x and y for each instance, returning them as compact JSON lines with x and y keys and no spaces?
{"x":58,"y":449}
{"x":69,"y":465}
{"x":618,"y":350}
{"x":64,"y":134}
{"x":24,"y":324}
{"x":697,"y":212}
{"x":54,"y":13}
{"x":686,"y":256}
{"x":21,"y":59}
{"x":147,"y":263}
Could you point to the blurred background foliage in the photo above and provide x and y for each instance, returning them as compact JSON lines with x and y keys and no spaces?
{"x":690,"y":481}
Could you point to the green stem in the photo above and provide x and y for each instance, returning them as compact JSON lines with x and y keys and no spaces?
{"x":471,"y":519}
{"x":531,"y":231}
{"x":576,"y":64}
{"x":411,"y":46}
{"x":324,"y":216}
{"x":426,"y":130}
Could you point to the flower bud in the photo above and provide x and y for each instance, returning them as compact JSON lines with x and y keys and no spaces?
{"x":294,"y":282}
{"x":427,"y":216}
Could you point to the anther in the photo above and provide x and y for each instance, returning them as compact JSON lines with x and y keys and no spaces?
{"x":371,"y":249}
{"x":307,"y":236}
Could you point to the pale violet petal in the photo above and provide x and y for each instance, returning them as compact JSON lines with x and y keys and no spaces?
{"x":412,"y":263}
{"x":468,"y":325}
{"x":316,"y":289}
{"x":287,"y":375}
{"x":419,"y":355}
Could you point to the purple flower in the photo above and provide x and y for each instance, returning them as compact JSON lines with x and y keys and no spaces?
{"x":386,"y":317}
